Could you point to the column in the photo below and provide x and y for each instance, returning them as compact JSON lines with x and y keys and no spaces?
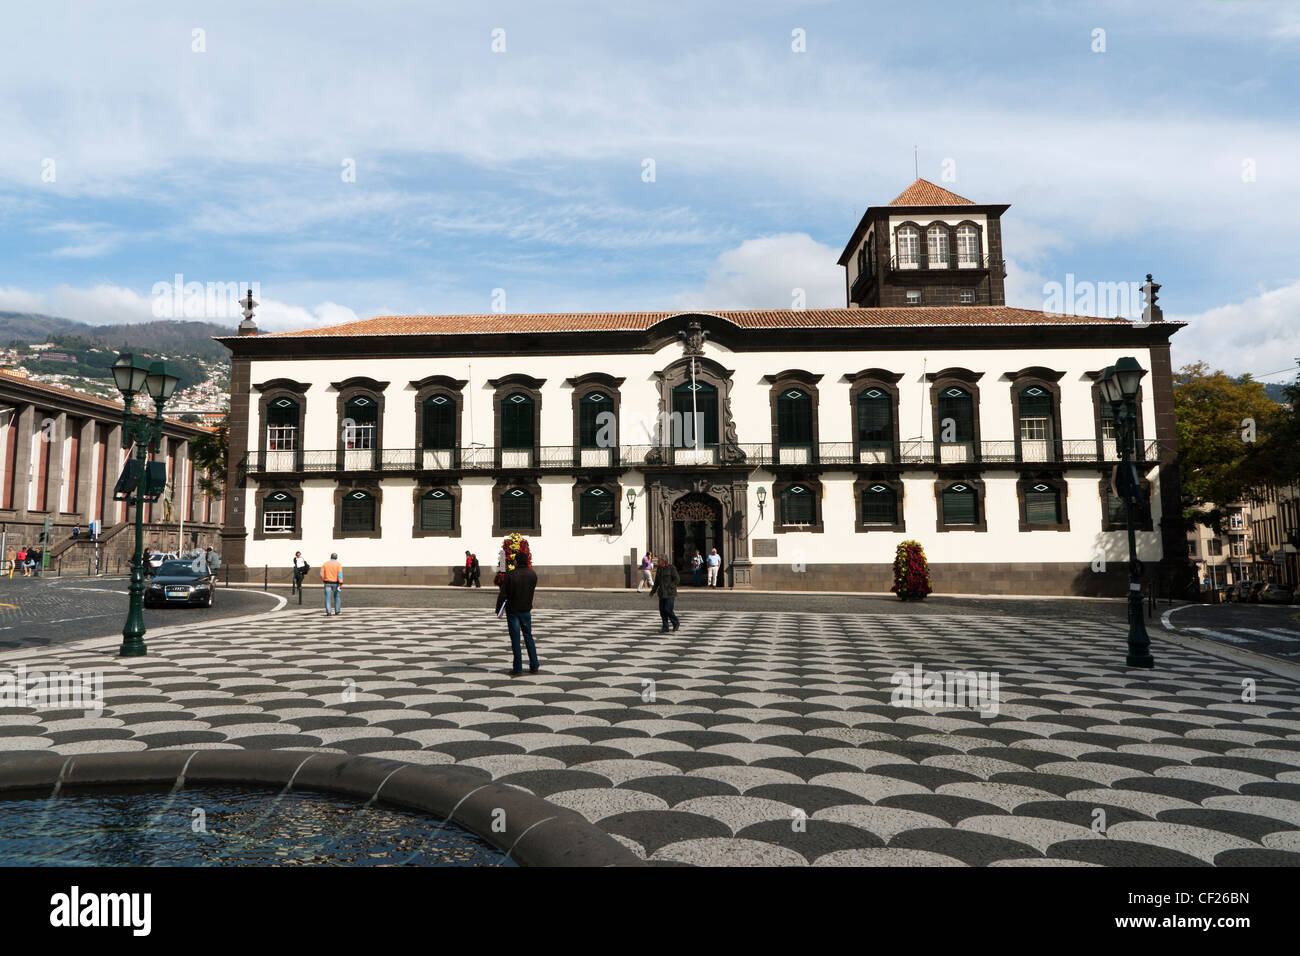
{"x":86,"y":448}
{"x":113,"y":510}
{"x":25,"y":419}
{"x":180,"y":482}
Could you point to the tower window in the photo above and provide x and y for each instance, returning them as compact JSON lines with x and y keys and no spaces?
{"x":913,"y":296}
{"x":967,"y":296}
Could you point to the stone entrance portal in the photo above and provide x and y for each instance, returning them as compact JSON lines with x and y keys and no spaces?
{"x":689,"y":512}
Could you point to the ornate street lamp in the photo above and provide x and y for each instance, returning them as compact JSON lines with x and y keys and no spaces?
{"x":133,"y":375}
{"x":1118,"y":385}
{"x":631,"y":503}
{"x":762,"y":500}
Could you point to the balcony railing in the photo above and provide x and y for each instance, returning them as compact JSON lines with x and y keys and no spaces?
{"x":948,"y":261}
{"x":567,"y":458}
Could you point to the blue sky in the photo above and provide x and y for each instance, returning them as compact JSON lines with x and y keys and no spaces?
{"x":522,"y":170}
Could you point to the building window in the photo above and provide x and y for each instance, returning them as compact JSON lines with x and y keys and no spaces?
{"x":438,"y":511}
{"x":967,"y":296}
{"x":282,"y":425}
{"x":439,"y":430}
{"x":956,"y":415}
{"x":1235,"y":522}
{"x":590,"y":408}
{"x":1191,"y":548}
{"x":909,"y":247}
{"x":691,"y":399}
{"x":968,"y":246}
{"x":937,"y":247}
{"x":1238,"y":547}
{"x":875,"y":419}
{"x":359,"y":420}
{"x":798,"y":504}
{"x":279,"y":513}
{"x":794,"y":417}
{"x":862,"y":260}
{"x":913,"y":297}
{"x":596,"y":509}
{"x":1042,"y":505}
{"x":879,"y":505}
{"x":358,"y":512}
{"x":960,"y":505}
{"x":517,"y":509}
{"x":517,"y":421}
{"x":1215,"y":547}
{"x":1115,"y":512}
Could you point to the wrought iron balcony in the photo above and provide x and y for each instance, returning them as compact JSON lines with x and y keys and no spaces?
{"x":566,"y":458}
{"x":948,"y":261}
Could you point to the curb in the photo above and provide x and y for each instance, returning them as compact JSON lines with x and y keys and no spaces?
{"x":536,"y":832}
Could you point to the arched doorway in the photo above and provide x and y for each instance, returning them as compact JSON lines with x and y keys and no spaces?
{"x":696,"y":525}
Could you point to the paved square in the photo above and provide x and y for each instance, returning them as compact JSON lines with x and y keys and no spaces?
{"x":770,"y":738}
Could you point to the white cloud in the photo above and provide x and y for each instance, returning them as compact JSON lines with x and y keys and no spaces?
{"x":764,"y":274}
{"x":1259,"y":335}
{"x":116,"y":305}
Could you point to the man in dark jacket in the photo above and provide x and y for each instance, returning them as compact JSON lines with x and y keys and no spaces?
{"x":516,"y":599}
{"x":474,"y":572}
{"x":666,"y":585}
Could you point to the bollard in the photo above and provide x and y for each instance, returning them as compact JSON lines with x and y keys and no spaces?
{"x":227,"y":575}
{"x":59,"y":573}
{"x":266,"y":577}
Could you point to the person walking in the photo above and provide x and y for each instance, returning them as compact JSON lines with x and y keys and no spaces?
{"x":666,"y":587}
{"x":331,"y":575}
{"x":515,"y":599}
{"x":300,"y":569}
{"x":76,"y":531}
{"x":715,"y":562}
{"x":474,"y":572}
{"x":697,"y":570}
{"x":647,"y":572}
{"x":468,"y":564}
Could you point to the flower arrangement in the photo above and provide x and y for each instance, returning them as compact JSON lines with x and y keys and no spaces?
{"x":911,"y":572}
{"x":517,"y":552}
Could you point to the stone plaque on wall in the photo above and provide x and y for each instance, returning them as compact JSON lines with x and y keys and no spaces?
{"x":764,"y":547}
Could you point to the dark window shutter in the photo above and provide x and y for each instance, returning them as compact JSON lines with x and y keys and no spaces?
{"x":879,"y":507}
{"x":439,"y":422}
{"x":956,"y":403}
{"x":794,"y":417}
{"x":516,"y":510}
{"x":358,"y":512}
{"x":960,"y":506}
{"x":798,"y":505}
{"x":875,"y":419}
{"x":437,"y":511}
{"x":517,"y":421}
{"x":1043,"y":507}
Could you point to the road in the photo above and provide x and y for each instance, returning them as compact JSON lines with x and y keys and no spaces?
{"x":1270,"y":629}
{"x":42,"y":611}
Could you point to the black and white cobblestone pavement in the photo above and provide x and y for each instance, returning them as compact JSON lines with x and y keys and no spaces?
{"x":756,"y":721}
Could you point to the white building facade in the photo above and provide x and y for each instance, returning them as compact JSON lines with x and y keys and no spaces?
{"x":803,"y":445}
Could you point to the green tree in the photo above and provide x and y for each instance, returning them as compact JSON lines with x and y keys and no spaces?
{"x":209,"y":453}
{"x":1228,"y":431}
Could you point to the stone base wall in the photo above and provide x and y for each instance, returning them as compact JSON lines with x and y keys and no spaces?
{"x":1028,"y":578}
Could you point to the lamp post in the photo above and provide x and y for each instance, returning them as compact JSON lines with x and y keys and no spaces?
{"x":1119,"y":386}
{"x":762,"y":500}
{"x":132,"y":375}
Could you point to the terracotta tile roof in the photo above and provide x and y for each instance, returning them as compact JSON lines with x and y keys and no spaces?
{"x":141,"y":403}
{"x":925,"y":193}
{"x":509,"y":323}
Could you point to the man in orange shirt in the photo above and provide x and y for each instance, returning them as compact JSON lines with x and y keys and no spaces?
{"x":331,"y":575}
